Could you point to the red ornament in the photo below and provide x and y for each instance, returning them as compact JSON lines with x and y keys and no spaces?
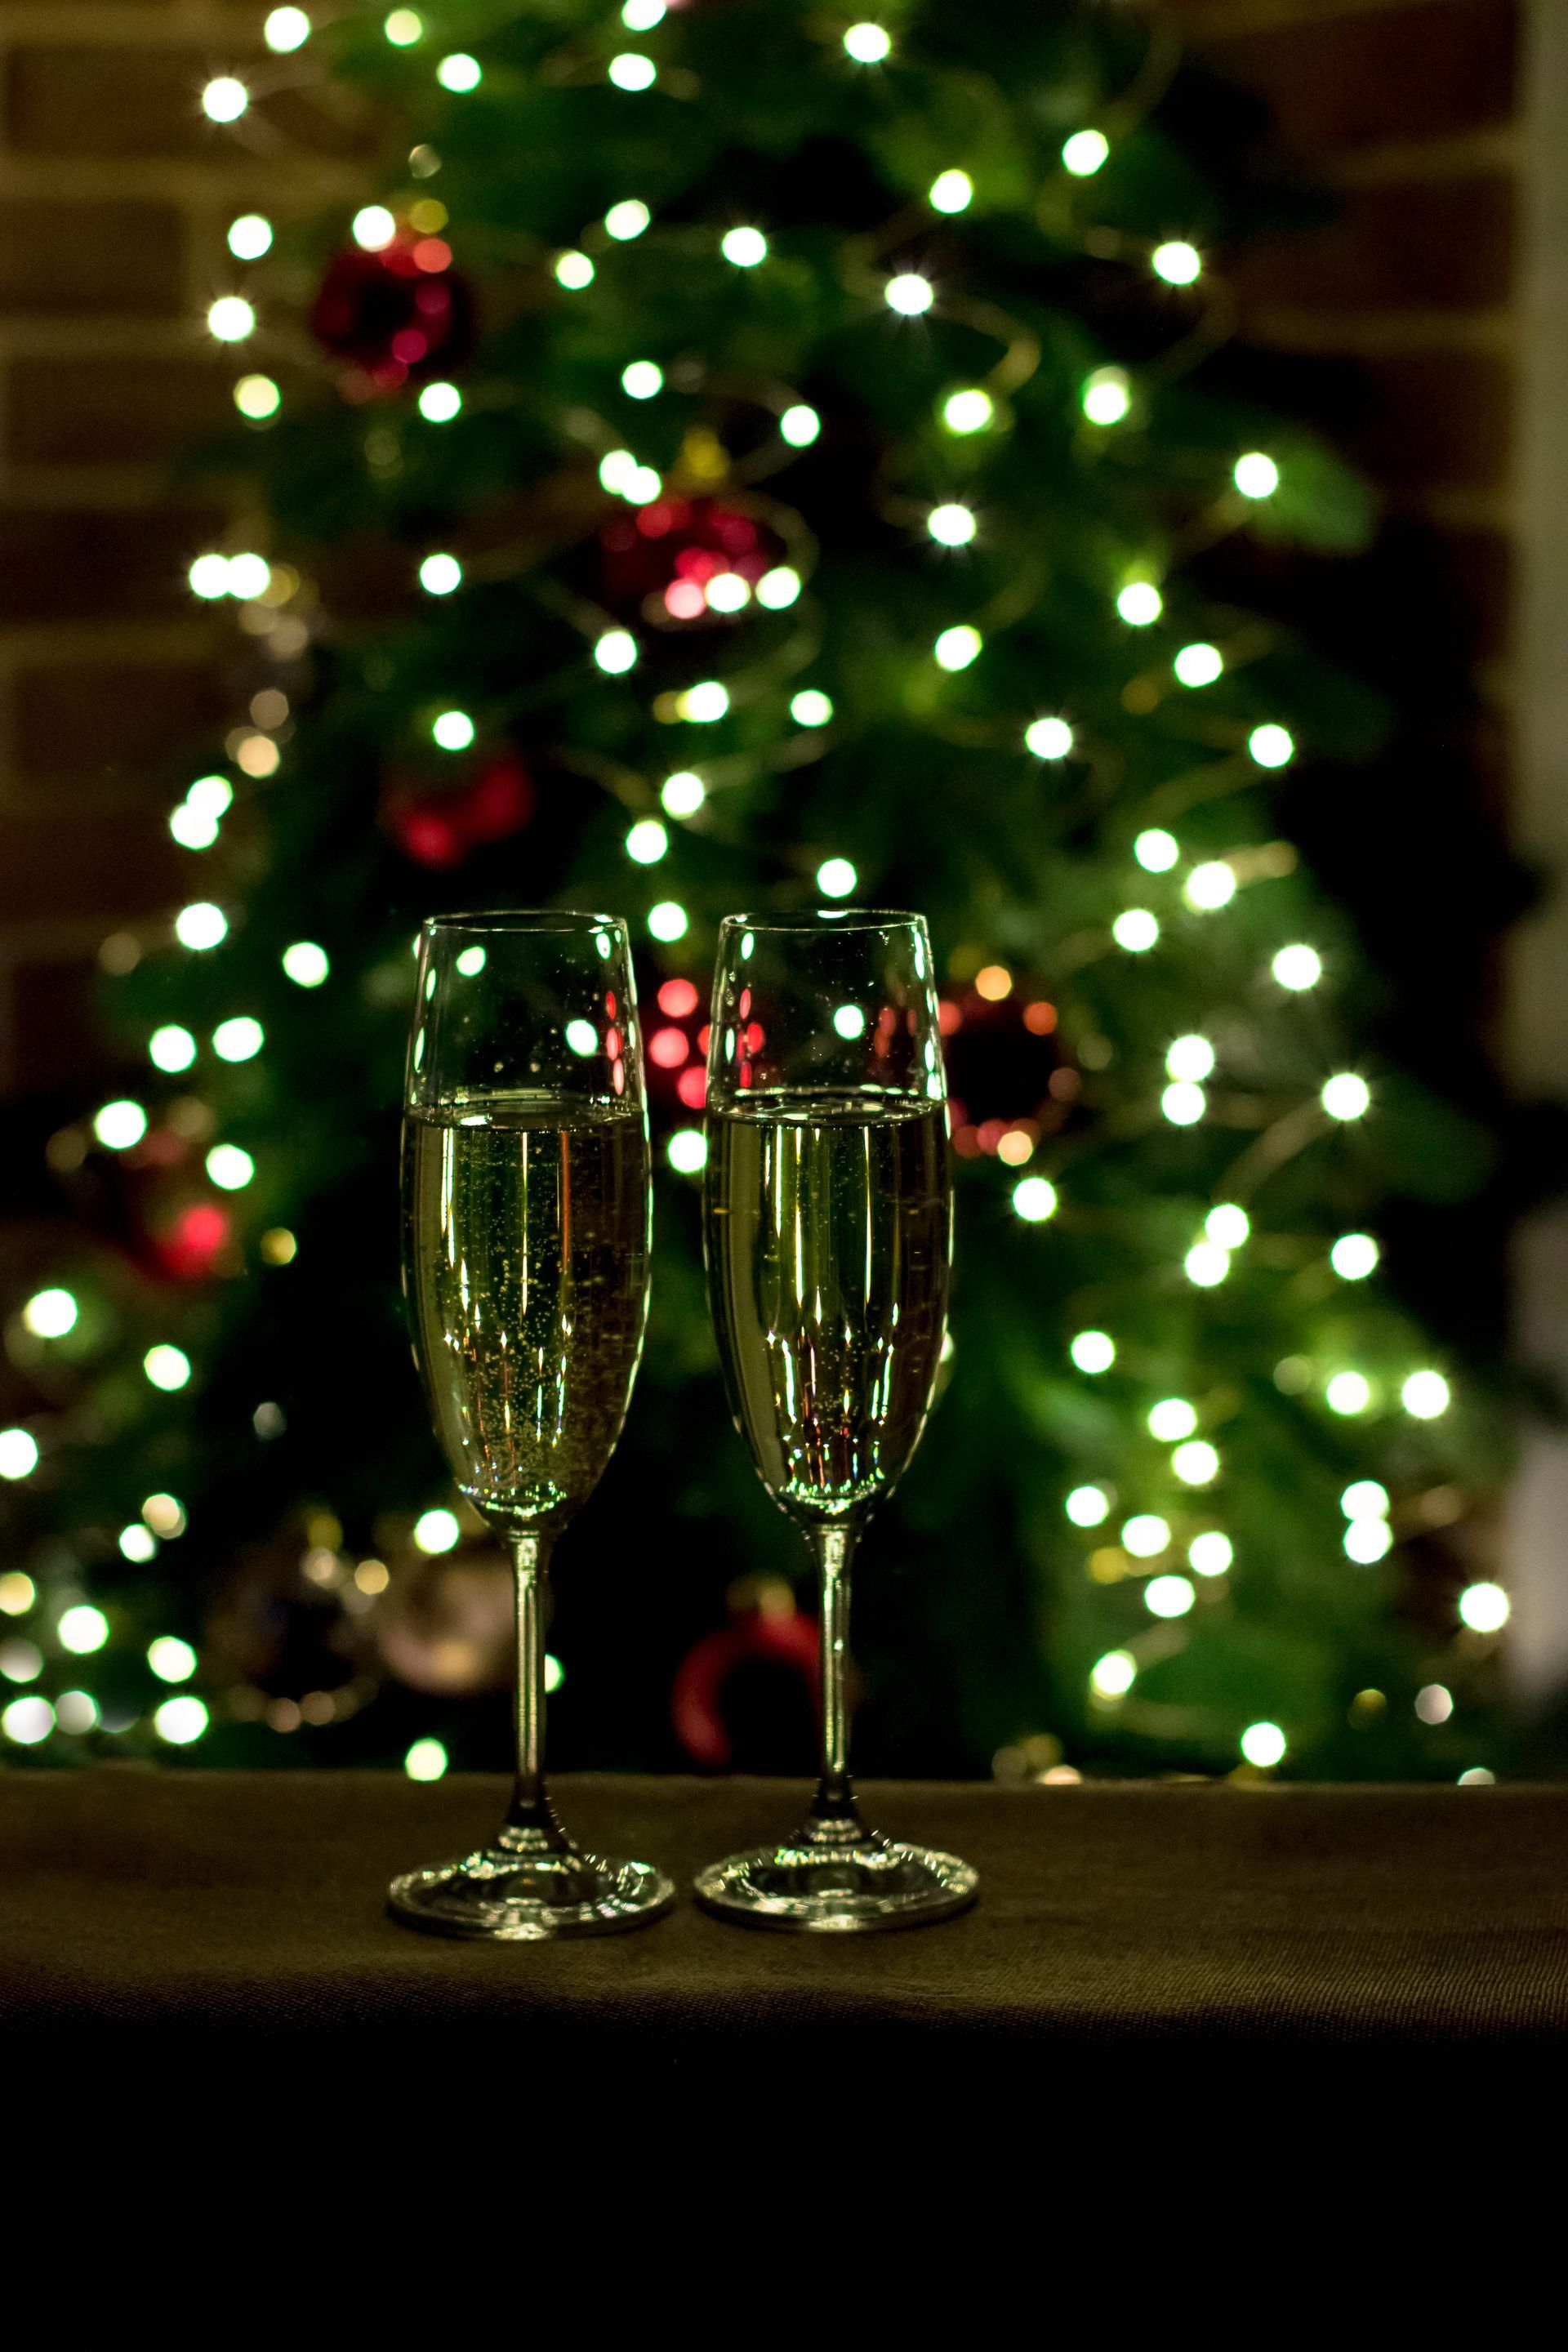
{"x":440,"y":829}
{"x":772,"y":1632}
{"x":660,"y":560}
{"x":189,"y":1250}
{"x":397,"y":314}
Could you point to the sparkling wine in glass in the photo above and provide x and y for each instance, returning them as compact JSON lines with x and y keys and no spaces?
{"x":827,"y":1230}
{"x":525,"y":1262}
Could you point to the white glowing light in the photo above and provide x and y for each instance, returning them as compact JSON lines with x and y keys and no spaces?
{"x":306,"y":964}
{"x":435,"y":1531}
{"x":1176,"y":261}
{"x":120,"y":1125}
{"x":744,"y":248}
{"x":1206,"y":1264}
{"x":1346,"y":1097}
{"x":201,"y":925}
{"x":1210,"y":886}
{"x":1478,"y":1777}
{"x":849,"y":1022}
{"x":1049,"y":738}
{"x":706,"y":701}
{"x":836,"y":878}
{"x":181,"y":1720}
{"x":440,"y":574}
{"x":425,"y":1761}
{"x":1434,"y":1703}
{"x":1035,"y":1200}
{"x":439,"y":402}
{"x":1113,"y":1675}
{"x":951,"y":525}
{"x":192,"y":827}
{"x":257,"y":397}
{"x":1484,"y":1608}
{"x":1211,"y":1553}
{"x":1195,"y":1464}
{"x":1354,"y":1256}
{"x":1139,"y":604}
{"x":76,"y":1711}
{"x":452,"y":729}
{"x":18,"y":1453}
{"x":1168,"y":1596}
{"x":1183,"y":1103}
{"x":646,"y":842}
{"x":1229,"y":1226}
{"x":28,"y":1721}
{"x":211,"y":795}
{"x":1366,"y":1540}
{"x":951,"y":191}
{"x":285,"y":29}
{"x":1145,"y":1535}
{"x":642,"y":16}
{"x":776,"y":590}
{"x":1084,"y":152}
{"x":230,"y":319}
{"x":583,"y":1037}
{"x":138,"y":1543}
{"x":1136,"y":931}
{"x":249,"y":237}
{"x":728,"y":591}
{"x":1263,"y":1744}
{"x":1348,"y":1393}
{"x":573,"y":270}
{"x":83,"y":1629}
{"x":1171,"y":1418}
{"x":633,"y":71}
{"x":1088,"y":1506}
{"x":50,"y":1314}
{"x":373,"y":227}
{"x":968,"y":411}
{"x":1156,"y":850}
{"x":225,"y":99}
{"x":172,"y":1660}
{"x":867,"y":44}
{"x":462,"y":73}
{"x":1106,"y":395}
{"x":238,"y":1040}
{"x":229,"y":1167}
{"x":909,"y":294}
{"x":668,"y":919}
{"x":1256,"y":475}
{"x":810,"y":708}
{"x":403,"y":27}
{"x":1272,"y":747}
{"x":17,"y":1594}
{"x":800,"y":424}
{"x":627,"y":219}
{"x":1425,"y":1395}
{"x":687,"y":1151}
{"x":682,"y":794}
{"x":1189,"y":1057}
{"x":1365,"y":1498}
{"x":1198,"y":664}
{"x":1092,"y":1352}
{"x":1297,"y":967}
{"x":249,"y":576}
{"x":957,"y":648}
{"x":642,"y":380}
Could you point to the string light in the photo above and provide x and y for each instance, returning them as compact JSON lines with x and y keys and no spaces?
{"x":373,"y":228}
{"x":1177,"y":262}
{"x":425,"y":1761}
{"x":172,"y":1660}
{"x":1145,"y":1536}
{"x":682,"y":794}
{"x":968,"y":410}
{"x":1034,"y":1200}
{"x":1297,"y":967}
{"x":1139,"y":604}
{"x":1256,"y":475}
{"x":627,"y":219}
{"x":1365,"y":1498}
{"x":573,"y":270}
{"x":687,"y":1151}
{"x":743,"y":247}
{"x":836,"y":878}
{"x":435,"y":1531}
{"x":667,"y":921}
{"x":225,"y":99}
{"x":17,"y":1592}
{"x":1348,"y":1393}
{"x":239,"y":1039}
{"x":1366,"y":1540}
{"x":1156,"y":850}
{"x":119,"y":1126}
{"x":776,"y":590}
{"x":460,"y":73}
{"x":951,"y":191}
{"x":1092,"y":1352}
{"x":1205,"y":1264}
{"x":1227,"y":1225}
{"x":201,"y":926}
{"x":950,"y":525}
{"x":1211,"y":1553}
{"x":849,"y":1022}
{"x":908,"y":294}
{"x":1198,"y":664}
{"x":249,"y":576}
{"x":1354,"y":1256}
{"x":1195,"y":1464}
{"x":1136,"y":931}
{"x":138,"y":1543}
{"x":1425,"y":1395}
{"x":1088,"y":1506}
{"x":165,"y":1514}
{"x":28,"y":1721}
{"x":180,"y":1721}
{"x":402,"y":28}
{"x":1168,"y":1596}
{"x":50,"y":1314}
{"x":642,"y":16}
{"x":632,"y":71}
{"x":800,"y":424}
{"x":1049,"y":738}
{"x":229,"y":1167}
{"x":1189,"y":1057}
{"x":1210,"y":886}
{"x":1484,"y":1608}
{"x":440,"y":574}
{"x":1263,"y":1744}
{"x":1113,"y":1675}
{"x":957,"y":648}
{"x":1271,"y":746}
{"x":1106,"y":395}
{"x":1434,"y":1703}
{"x":646,"y":842}
{"x":642,"y":380}
{"x":1346,"y":1097}
{"x":810,"y":708}
{"x":83,"y":1630}
{"x":1171,"y":1418}
{"x":18,"y":1453}
{"x":867,"y":44}
{"x":230,"y":319}
{"x":249,"y":237}
{"x":705,"y":702}
{"x":454,"y":730}
{"x":257,"y":397}
{"x":1084,"y":152}
{"x":728,"y":591}
{"x":1183,"y":1104}
{"x":439,"y":402}
{"x":285,"y":29}
{"x":582,"y":1038}
{"x":306,"y":964}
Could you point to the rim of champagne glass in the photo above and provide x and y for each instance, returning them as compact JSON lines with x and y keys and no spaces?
{"x":813,"y":918}
{"x":523,"y":918}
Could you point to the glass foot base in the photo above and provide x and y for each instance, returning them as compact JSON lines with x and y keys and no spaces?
{"x":520,"y":1891}
{"x":849,"y":1883}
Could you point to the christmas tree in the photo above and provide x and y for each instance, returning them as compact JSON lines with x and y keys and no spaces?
{"x":735,"y":456}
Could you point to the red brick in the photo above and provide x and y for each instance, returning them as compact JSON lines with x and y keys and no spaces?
{"x":115,"y":411}
{"x":113,"y":257}
{"x":1408,"y":73}
{"x":1413,"y":244}
{"x":1438,"y":420}
{"x":116,"y":863}
{"x":71,"y":566}
{"x":108,"y":722}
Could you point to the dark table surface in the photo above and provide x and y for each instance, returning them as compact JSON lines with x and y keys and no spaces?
{"x":1113,"y":1918}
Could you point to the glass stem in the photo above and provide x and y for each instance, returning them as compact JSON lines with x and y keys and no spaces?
{"x":531,"y":1811}
{"x":834,"y":1802}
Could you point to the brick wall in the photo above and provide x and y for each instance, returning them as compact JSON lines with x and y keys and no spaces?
{"x":114,"y":194}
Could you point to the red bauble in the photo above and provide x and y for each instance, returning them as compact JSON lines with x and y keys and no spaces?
{"x":658,"y":559}
{"x":440,"y":829}
{"x":398,"y":314}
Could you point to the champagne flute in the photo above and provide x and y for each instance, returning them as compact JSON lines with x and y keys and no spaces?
{"x":526,"y":1197}
{"x":827,"y":1231}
